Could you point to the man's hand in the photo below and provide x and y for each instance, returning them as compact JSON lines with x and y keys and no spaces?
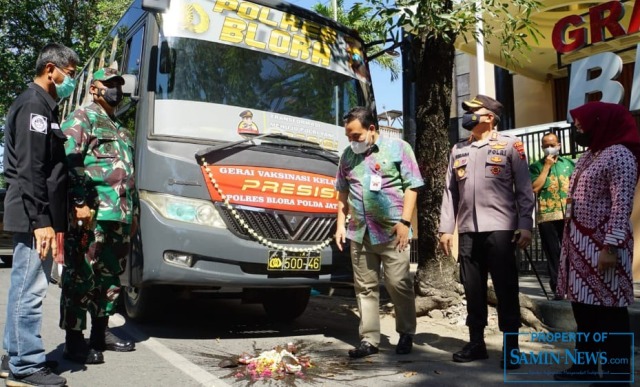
{"x":522,"y":238}
{"x":83,"y":214}
{"x":606,"y":260}
{"x":45,"y":241}
{"x":550,"y":160}
{"x":341,"y":236}
{"x":446,"y":243}
{"x":402,"y":236}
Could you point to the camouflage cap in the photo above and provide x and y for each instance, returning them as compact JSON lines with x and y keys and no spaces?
{"x":107,"y":74}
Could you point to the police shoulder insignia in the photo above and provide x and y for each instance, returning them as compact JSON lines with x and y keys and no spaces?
{"x":519,"y":146}
{"x":38,"y":123}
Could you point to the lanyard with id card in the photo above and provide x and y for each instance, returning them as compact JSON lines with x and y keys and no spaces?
{"x":375,"y":183}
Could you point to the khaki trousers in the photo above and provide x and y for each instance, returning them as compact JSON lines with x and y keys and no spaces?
{"x":366,"y":260}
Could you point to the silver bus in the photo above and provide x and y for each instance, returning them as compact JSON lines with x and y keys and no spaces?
{"x":237,"y":111}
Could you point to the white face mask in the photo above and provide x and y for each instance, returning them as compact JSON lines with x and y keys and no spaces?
{"x":551,"y":151}
{"x":361,"y":146}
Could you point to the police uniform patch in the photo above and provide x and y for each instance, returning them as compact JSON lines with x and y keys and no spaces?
{"x":519,"y":146}
{"x":496,"y":159}
{"x":38,"y":123}
{"x":497,"y":146}
{"x":496,"y":170}
{"x":461,"y":172}
{"x":456,"y":163}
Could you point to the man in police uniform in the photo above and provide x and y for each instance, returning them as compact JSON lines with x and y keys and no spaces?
{"x":488,"y":195}
{"x":100,"y":157}
{"x":35,"y":209}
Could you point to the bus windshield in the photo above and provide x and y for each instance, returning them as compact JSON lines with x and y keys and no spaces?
{"x":225,"y":91}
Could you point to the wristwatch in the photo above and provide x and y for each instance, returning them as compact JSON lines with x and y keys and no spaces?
{"x":613,"y":250}
{"x":405,"y":222}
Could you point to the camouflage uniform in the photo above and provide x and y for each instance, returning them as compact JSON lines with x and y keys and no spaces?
{"x":100,"y":157}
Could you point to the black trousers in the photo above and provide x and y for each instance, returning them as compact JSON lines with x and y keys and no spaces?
{"x":605,"y":319}
{"x":551,"y":237}
{"x":490,"y":252}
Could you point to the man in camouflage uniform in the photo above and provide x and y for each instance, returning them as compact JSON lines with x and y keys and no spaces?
{"x":100,"y":159}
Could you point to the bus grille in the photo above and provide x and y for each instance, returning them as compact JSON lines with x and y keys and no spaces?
{"x":282,"y":226}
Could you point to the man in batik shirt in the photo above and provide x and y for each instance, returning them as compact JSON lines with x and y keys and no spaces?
{"x":377,"y":180}
{"x":550,"y":181}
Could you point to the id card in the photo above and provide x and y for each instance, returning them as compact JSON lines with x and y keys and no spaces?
{"x":376,"y":183}
{"x":569,"y":208}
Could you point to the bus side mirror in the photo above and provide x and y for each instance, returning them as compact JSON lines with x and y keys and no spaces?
{"x":159,"y":6}
{"x":129,"y":87}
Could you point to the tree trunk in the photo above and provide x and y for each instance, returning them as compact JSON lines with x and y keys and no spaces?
{"x":433,"y":61}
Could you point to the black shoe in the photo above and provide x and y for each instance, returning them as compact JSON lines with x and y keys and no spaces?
{"x":78,"y":351}
{"x":405,"y":344}
{"x":89,"y":356}
{"x":470,"y":352}
{"x":576,"y":374}
{"x":42,"y":378}
{"x":4,"y":366}
{"x":363,"y":350}
{"x":510,"y":365}
{"x":114,"y":343}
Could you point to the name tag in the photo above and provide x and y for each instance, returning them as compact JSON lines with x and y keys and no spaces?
{"x":376,"y":183}
{"x":567,"y":212}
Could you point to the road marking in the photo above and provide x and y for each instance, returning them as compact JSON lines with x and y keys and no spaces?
{"x":178,"y":361}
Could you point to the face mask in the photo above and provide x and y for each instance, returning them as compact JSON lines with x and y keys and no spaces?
{"x":583,"y":139}
{"x":112,"y":95}
{"x":551,"y":151}
{"x":359,"y":147}
{"x":67,"y":86}
{"x":470,"y":120}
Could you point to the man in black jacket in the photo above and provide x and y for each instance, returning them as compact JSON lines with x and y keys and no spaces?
{"x":35,"y":208}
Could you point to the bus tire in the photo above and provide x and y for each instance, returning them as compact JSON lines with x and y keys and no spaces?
{"x":141,"y":303}
{"x":285,"y":305}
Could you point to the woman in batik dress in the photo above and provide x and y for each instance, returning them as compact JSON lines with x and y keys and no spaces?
{"x":597,"y":249}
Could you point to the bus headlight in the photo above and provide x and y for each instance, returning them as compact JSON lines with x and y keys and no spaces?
{"x":182,"y":209}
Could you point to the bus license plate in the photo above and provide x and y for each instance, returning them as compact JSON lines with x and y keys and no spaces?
{"x":294,"y":261}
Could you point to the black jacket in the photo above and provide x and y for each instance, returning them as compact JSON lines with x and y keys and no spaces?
{"x":34,"y":164}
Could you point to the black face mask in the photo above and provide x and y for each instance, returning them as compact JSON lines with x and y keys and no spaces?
{"x":582,"y":139}
{"x":470,"y":120}
{"x":112,"y":95}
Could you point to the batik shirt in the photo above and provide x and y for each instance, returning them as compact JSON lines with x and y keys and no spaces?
{"x":552,"y":198}
{"x":100,"y":158}
{"x":376,"y":212}
{"x":602,"y":200}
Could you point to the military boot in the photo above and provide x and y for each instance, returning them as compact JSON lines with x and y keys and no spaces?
{"x":77,"y":350}
{"x":103,"y":340}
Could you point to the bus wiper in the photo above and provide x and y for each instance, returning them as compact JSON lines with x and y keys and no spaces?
{"x":216,"y":148}
{"x":279,"y":136}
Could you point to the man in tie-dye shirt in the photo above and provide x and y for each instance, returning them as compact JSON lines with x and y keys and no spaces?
{"x":377,"y":180}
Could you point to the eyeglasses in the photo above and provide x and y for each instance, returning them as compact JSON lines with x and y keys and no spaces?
{"x":71,"y":73}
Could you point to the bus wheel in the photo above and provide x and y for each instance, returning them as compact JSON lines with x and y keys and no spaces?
{"x":141,"y":304}
{"x":285,"y":305}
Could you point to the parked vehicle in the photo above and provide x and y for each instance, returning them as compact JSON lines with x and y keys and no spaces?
{"x":237,"y":108}
{"x":6,"y":244}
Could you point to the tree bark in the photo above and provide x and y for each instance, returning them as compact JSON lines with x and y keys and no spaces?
{"x":433,"y":61}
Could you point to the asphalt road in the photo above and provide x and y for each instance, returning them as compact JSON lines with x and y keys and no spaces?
{"x":187,"y":345}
